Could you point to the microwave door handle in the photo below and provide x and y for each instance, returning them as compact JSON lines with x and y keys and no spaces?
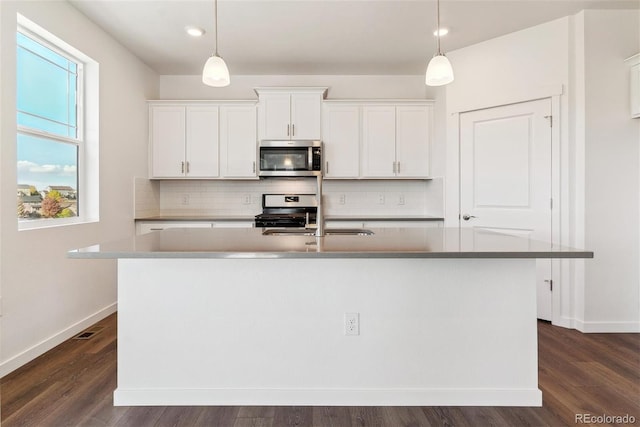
{"x":310,"y":159}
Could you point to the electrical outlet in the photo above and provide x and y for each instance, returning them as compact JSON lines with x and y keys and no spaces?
{"x":343,"y":199}
{"x":246,"y":199}
{"x":184,"y":199}
{"x":352,"y":324}
{"x":401,"y":199}
{"x":381,"y":199}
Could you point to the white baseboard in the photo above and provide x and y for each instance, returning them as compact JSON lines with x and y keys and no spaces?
{"x":607,"y":327}
{"x":42,"y":347}
{"x":328,"y":397}
{"x":598,"y":327}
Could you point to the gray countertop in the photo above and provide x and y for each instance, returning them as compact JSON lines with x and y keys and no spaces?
{"x":384,"y":243}
{"x":198,"y":218}
{"x":327,"y":218}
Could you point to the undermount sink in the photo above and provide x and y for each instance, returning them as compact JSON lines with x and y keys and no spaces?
{"x":312,"y":232}
{"x":348,"y":232}
{"x":289,"y":232}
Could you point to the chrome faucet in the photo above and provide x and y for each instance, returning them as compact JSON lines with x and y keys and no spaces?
{"x":319,"y":214}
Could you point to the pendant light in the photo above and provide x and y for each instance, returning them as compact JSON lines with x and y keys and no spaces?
{"x":439,"y":70}
{"x":215,"y":72}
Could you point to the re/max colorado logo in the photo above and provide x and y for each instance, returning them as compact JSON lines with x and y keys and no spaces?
{"x":605,"y":419}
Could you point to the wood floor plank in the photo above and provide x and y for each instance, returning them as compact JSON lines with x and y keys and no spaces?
{"x":366,"y":416}
{"x":331,"y":416}
{"x":218,"y":416}
{"x":298,"y":416}
{"x":445,"y":416}
{"x":73,"y":384}
{"x":409,"y":416}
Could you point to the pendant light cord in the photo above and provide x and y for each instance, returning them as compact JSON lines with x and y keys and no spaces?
{"x":215,"y":17}
{"x":438,"y":28}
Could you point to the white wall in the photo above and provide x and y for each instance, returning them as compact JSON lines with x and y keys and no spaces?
{"x":340,"y":87}
{"x":612,"y":168}
{"x":569,"y":59}
{"x":46,"y":297}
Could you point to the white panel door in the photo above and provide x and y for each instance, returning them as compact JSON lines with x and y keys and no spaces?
{"x":412,"y":141}
{"x":238,"y":139}
{"x":305,"y":115}
{"x":378,"y":141}
{"x":202,"y":142}
{"x":341,"y":138}
{"x":167,"y":141}
{"x":505,"y":177}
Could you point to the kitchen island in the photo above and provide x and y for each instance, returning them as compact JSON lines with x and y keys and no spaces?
{"x":443,"y":316}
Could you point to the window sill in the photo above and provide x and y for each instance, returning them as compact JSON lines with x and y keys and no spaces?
{"x":39,"y":224}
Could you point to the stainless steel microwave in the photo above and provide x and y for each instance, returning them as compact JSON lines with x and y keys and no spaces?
{"x":290,"y":158}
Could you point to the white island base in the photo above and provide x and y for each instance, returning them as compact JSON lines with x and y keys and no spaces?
{"x":272,"y":332}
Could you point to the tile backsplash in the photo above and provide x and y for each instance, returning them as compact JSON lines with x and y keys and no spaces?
{"x":244,"y":198}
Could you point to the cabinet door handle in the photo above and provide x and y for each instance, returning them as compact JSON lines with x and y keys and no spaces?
{"x":398,"y":168}
{"x":182,"y":168}
{"x":293,"y":130}
{"x":254,"y":166}
{"x":327,"y":166}
{"x":187,"y":167}
{"x":288,"y":126}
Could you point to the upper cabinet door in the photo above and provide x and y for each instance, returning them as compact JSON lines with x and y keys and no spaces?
{"x":378,"y":141}
{"x":168,"y":139}
{"x":275,"y":116}
{"x":288,"y":113}
{"x":238,"y":141}
{"x":413,"y":135}
{"x":202,"y":142}
{"x":305,"y":116}
{"x":341,"y":137}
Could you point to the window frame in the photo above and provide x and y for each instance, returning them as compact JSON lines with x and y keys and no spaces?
{"x":52,"y":43}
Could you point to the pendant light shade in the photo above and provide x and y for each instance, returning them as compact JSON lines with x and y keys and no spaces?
{"x":215,"y":72}
{"x":439,"y":70}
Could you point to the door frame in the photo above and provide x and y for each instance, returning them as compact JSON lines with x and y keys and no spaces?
{"x":561,"y":270}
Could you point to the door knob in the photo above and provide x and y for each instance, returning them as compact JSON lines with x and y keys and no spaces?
{"x":467,"y":217}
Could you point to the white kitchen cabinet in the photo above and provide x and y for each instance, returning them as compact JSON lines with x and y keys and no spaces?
{"x":413,"y":141}
{"x":290,"y":113}
{"x":234,"y":224}
{"x":378,"y":141}
{"x":238,"y":141}
{"x":144,"y":227}
{"x":634,"y":84}
{"x":202,"y":142}
{"x":168,"y":138}
{"x":382,"y":223}
{"x":184,"y":141}
{"x":341,"y":139}
{"x":198,"y":140}
{"x":402,"y":224}
{"x":396,"y":141}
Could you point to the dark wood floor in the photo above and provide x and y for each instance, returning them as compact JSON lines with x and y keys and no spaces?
{"x":72,"y":385}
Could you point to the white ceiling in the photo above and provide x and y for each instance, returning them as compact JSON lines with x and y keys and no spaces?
{"x":315,"y":36}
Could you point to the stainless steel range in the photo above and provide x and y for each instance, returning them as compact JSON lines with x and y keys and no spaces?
{"x":288,"y":210}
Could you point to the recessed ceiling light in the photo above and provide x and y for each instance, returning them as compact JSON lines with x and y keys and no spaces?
{"x":194,"y":31}
{"x":443,"y":32}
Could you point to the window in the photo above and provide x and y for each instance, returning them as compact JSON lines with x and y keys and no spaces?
{"x":50,"y":142}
